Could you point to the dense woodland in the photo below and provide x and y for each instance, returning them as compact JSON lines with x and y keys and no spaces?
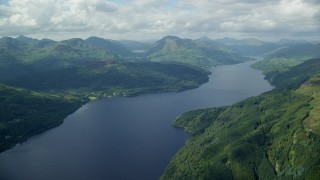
{"x":25,"y":113}
{"x":107,"y":79}
{"x":274,"y":135}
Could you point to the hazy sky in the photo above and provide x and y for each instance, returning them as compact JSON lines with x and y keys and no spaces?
{"x":152,"y":19}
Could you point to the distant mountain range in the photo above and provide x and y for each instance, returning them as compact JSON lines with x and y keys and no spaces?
{"x":255,"y":47}
{"x":297,"y":51}
{"x":114,"y":46}
{"x":288,"y":56}
{"x":136,"y":46}
{"x":24,"y":55}
{"x":170,"y":48}
{"x":200,"y":52}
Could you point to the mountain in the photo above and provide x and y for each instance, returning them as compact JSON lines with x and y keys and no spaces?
{"x":295,"y":76}
{"x":272,"y":136}
{"x":77,"y":50}
{"x":292,"y":42}
{"x":27,"y":40}
{"x":106,"y":79}
{"x":215,"y":43}
{"x":45,"y":42}
{"x":136,"y":46}
{"x":113,"y":46}
{"x":232,"y":41}
{"x":249,"y":47}
{"x":25,"y":113}
{"x":206,"y":39}
{"x":27,"y":50}
{"x":86,"y":67}
{"x":256,"y":47}
{"x":22,"y":55}
{"x":299,"y":51}
{"x":194,"y":52}
{"x":288,"y":56}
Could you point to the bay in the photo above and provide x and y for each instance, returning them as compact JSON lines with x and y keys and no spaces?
{"x":125,"y":137}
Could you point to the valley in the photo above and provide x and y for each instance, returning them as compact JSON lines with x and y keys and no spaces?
{"x":84,"y":70}
{"x":125,"y":134}
{"x":44,"y":81}
{"x":169,"y":90}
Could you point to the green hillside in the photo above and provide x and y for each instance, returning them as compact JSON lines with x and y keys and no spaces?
{"x":94,"y":67}
{"x":284,"y":58}
{"x":295,"y":76}
{"x":272,"y":136}
{"x":113,"y":46}
{"x":106,"y":79}
{"x":194,"y":52}
{"x":135,"y":45}
{"x":22,"y":55}
{"x":27,"y":50}
{"x":25,"y":113}
{"x":249,"y":47}
{"x":300,"y":51}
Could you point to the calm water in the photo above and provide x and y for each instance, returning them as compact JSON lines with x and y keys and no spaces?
{"x":125,"y":138}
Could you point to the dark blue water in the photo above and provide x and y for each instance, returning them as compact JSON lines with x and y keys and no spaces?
{"x":125,"y":138}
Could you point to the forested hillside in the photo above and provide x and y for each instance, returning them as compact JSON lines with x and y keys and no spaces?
{"x":249,"y":47}
{"x":288,"y":56}
{"x":22,"y":56}
{"x":25,"y":113}
{"x":196,"y":52}
{"x":94,"y":67}
{"x":274,"y":135}
{"x":107,"y":79}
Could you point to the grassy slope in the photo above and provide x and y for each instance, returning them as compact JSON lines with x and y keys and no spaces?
{"x":25,"y":113}
{"x":274,"y":135}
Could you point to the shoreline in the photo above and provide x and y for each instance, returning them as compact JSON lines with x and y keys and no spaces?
{"x":87,"y":99}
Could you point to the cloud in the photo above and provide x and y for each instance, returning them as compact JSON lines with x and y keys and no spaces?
{"x":138,"y":19}
{"x":106,"y":7}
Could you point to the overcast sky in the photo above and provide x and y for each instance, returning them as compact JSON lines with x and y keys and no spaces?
{"x":153,"y":19}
